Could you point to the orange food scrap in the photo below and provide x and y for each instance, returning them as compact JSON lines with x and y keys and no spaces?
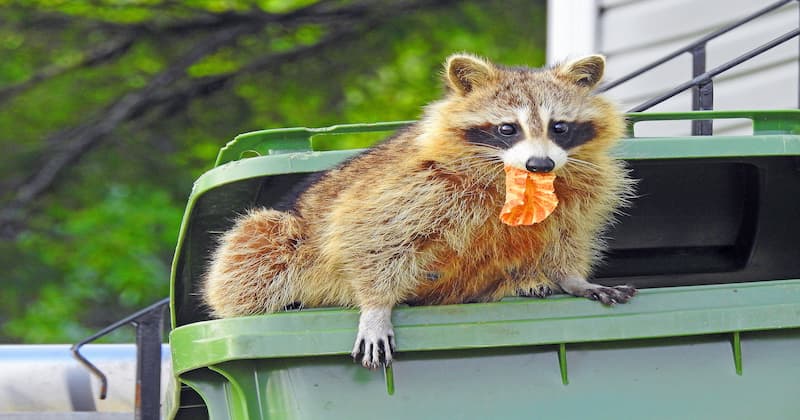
{"x":530,"y":197}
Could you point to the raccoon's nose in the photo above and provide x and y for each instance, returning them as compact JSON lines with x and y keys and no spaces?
{"x":537,"y":164}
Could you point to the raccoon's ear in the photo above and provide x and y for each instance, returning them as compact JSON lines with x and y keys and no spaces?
{"x":466,"y":72}
{"x":586,"y":71}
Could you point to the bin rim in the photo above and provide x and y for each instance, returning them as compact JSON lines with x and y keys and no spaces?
{"x":656,"y":313}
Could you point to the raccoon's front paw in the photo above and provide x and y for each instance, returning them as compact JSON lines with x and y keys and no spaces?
{"x":578,"y":286}
{"x":375,"y":339}
{"x":610,"y":295}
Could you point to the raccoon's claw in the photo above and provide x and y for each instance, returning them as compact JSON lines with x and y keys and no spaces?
{"x":541,"y":291}
{"x":375,"y":340}
{"x":610,"y":295}
{"x":374,"y":354}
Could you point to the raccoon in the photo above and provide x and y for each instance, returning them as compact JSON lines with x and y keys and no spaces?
{"x":415,"y":219}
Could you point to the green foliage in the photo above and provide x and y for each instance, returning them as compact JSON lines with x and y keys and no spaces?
{"x":99,"y":244}
{"x":110,"y":254}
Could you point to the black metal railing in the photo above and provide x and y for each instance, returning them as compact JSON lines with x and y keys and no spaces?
{"x":702,"y":84}
{"x":149,"y":323}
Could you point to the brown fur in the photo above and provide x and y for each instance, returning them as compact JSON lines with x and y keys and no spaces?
{"x":415,"y":219}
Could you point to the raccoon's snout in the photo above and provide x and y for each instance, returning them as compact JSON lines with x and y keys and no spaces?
{"x":538,"y":164}
{"x":535,"y":155}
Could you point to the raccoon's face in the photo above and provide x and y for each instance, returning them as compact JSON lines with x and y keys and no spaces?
{"x":538,"y":120}
{"x":538,"y":146}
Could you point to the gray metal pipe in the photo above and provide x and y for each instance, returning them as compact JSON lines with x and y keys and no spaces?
{"x":45,"y":378}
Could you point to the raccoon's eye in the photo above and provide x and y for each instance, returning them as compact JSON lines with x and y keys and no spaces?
{"x":560,"y":127}
{"x":507,"y":129}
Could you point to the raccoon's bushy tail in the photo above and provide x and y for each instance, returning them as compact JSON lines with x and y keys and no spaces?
{"x":252,"y":269}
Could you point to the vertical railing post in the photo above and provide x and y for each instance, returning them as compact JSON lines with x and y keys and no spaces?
{"x":702,"y":94}
{"x":149,"y":333}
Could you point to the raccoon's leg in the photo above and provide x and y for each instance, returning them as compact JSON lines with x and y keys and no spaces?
{"x":579,"y":246}
{"x":375,"y":341}
{"x":381,"y":278}
{"x":577,"y":285}
{"x":251,"y":271}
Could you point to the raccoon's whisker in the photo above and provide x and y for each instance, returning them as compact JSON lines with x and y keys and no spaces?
{"x":460,"y":163}
{"x":494,"y":137}
{"x":482,"y":168}
{"x":485,"y":176}
{"x":473,"y":169}
{"x":582,"y":166}
{"x":572,"y":171}
{"x":477,"y":170}
{"x":491,"y":147}
{"x":492,"y":156}
{"x":491,"y":152}
{"x":480,"y":155}
{"x":583,"y":162}
{"x":490,"y":159}
{"x":468,"y":162}
{"x":477,"y":159}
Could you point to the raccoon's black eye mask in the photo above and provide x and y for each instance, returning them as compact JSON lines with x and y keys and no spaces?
{"x":566,"y":134}
{"x":501,"y":136}
{"x":570,"y":134}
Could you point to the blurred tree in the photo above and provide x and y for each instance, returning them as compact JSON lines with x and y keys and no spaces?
{"x":110,"y":108}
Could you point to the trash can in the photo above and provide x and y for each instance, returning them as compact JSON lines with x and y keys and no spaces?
{"x":711,"y":241}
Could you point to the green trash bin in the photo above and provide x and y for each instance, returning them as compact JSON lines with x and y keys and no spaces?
{"x":714,"y":333}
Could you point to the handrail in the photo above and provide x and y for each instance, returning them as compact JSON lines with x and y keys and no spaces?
{"x":149,"y":330}
{"x":701,"y":42}
{"x":706,"y":77}
{"x":703,"y":92}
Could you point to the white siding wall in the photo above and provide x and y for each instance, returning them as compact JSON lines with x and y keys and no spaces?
{"x":633,"y":33}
